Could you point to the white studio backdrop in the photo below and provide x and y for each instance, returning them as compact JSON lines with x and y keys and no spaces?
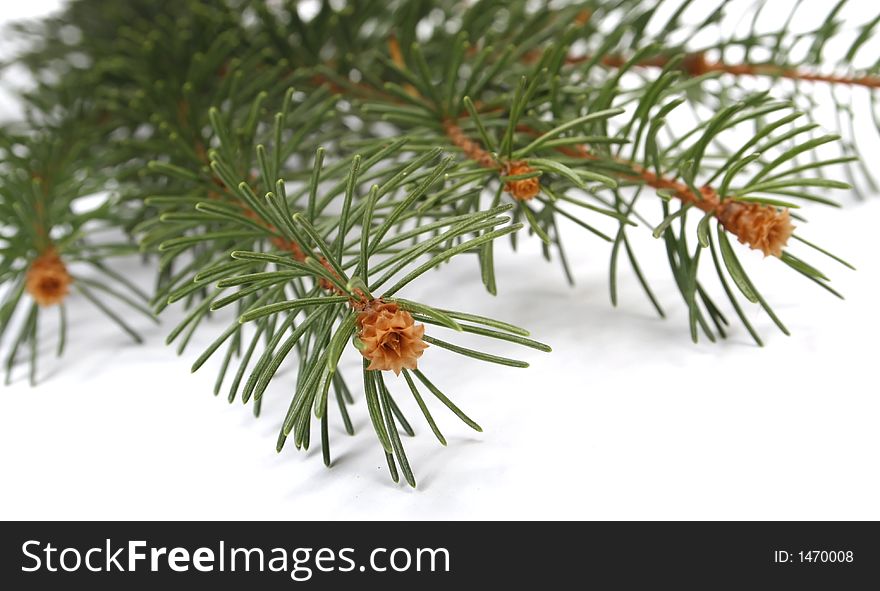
{"x":626,"y":419}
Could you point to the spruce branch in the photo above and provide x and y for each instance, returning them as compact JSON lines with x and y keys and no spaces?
{"x":302,"y":172}
{"x":52,"y":248}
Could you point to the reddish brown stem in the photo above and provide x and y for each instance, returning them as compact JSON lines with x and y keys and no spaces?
{"x":761,"y":227}
{"x":472,"y":149}
{"x":696,"y":64}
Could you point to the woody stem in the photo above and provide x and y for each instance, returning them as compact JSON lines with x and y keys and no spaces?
{"x":695,"y":64}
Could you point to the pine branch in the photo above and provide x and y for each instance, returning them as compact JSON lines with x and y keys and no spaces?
{"x":51,"y":248}
{"x":303,"y":172}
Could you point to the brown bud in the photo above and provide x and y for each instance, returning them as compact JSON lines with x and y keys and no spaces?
{"x":762,"y":227}
{"x":695,"y":64}
{"x":391,"y":338}
{"x":47,"y":279}
{"x":524,"y":189}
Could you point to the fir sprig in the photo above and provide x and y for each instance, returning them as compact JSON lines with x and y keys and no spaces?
{"x":52,"y":247}
{"x":302,"y":170}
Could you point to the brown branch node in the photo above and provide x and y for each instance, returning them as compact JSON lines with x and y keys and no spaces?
{"x":521,"y":189}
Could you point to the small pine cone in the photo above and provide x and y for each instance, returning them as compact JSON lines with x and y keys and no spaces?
{"x":525,"y":189}
{"x":47,"y":279}
{"x":390,"y":338}
{"x":761,"y":227}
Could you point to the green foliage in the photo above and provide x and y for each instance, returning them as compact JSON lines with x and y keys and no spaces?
{"x":286,"y":166}
{"x":48,"y":167}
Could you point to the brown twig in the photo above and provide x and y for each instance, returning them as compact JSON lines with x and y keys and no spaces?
{"x":761,"y":227}
{"x":696,"y":64}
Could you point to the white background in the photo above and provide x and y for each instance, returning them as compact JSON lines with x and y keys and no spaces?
{"x":626,"y":419}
